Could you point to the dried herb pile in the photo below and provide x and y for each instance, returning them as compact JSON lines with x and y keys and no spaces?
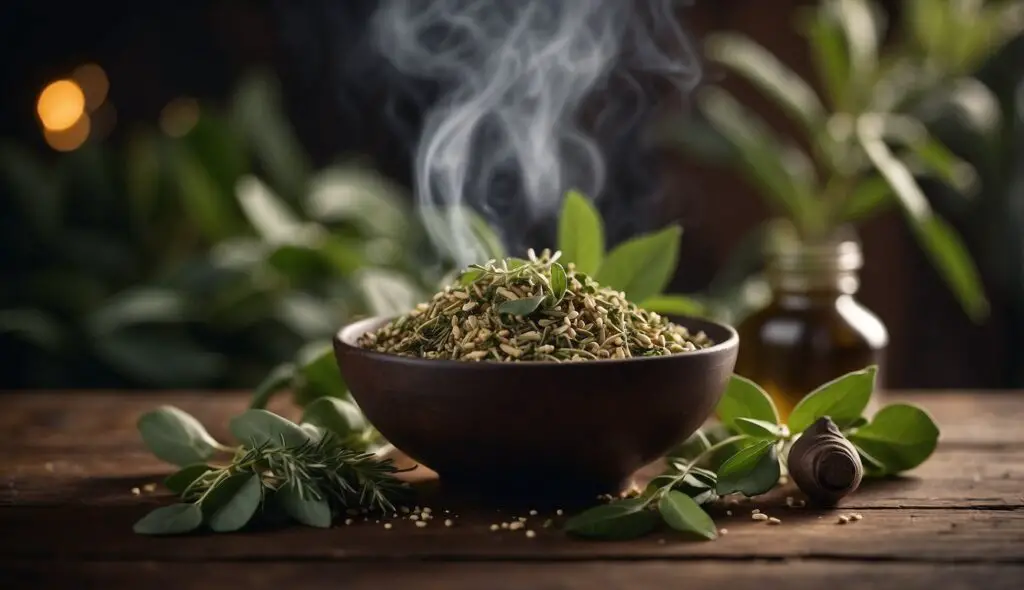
{"x":530,"y":310}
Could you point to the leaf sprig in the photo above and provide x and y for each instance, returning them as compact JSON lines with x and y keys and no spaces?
{"x":308,"y":472}
{"x":745,"y":455}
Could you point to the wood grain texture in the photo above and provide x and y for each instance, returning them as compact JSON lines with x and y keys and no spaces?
{"x":155,"y":575}
{"x":71,"y":461}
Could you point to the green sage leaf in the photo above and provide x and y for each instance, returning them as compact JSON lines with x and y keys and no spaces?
{"x":524,"y":306}
{"x":179,"y":481}
{"x":240,"y":507}
{"x":170,"y":520}
{"x":752,"y":471}
{"x":642,"y":266}
{"x":340,"y":417}
{"x":745,"y":399}
{"x":259,"y":427}
{"x":581,"y":233}
{"x":559,"y":283}
{"x":318,"y":373}
{"x":842,"y":399}
{"x":315,"y":432}
{"x":307,"y":510}
{"x":279,"y":379}
{"x":470,"y":276}
{"x":760,"y":428}
{"x":899,"y":437}
{"x":176,"y":437}
{"x":625,"y":519}
{"x":683,"y":514}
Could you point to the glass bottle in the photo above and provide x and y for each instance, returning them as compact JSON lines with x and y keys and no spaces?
{"x":814,"y":329}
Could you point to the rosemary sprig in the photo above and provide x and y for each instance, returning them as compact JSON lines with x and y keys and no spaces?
{"x":307,"y":472}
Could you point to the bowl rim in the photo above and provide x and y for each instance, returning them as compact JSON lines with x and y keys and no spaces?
{"x":339,"y":341}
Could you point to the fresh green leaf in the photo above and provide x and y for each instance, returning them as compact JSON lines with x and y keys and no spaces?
{"x":237,"y":511}
{"x":829,"y":53}
{"x":642,"y":266}
{"x":899,"y":437}
{"x":683,"y":514}
{"x":337,"y":416}
{"x":470,"y":276}
{"x":307,"y":510}
{"x":937,"y":238}
{"x":180,"y":480}
{"x":213,"y":211}
{"x":176,"y":437}
{"x":842,"y":399}
{"x":486,"y":236}
{"x":170,"y":520}
{"x":752,"y":471}
{"x":269,"y":216}
{"x":777,"y":169}
{"x":769,"y":75}
{"x":315,"y":432}
{"x":745,"y":399}
{"x":760,"y":428}
{"x":871,"y":195}
{"x":948,"y":252}
{"x":581,"y":233}
{"x":624,"y":519}
{"x":279,"y":379}
{"x":692,"y":447}
{"x":861,"y":29}
{"x":559,"y":283}
{"x":318,"y":373}
{"x":524,"y":306}
{"x":678,"y":305}
{"x":259,"y":427}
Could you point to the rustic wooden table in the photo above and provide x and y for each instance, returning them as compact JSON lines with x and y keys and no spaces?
{"x":70,"y":461}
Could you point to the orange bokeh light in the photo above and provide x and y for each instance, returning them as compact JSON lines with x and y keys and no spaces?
{"x":66,"y":140}
{"x":94,"y":84}
{"x":61,"y":105}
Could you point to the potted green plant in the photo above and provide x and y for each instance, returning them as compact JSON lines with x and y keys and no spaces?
{"x":866,"y":149}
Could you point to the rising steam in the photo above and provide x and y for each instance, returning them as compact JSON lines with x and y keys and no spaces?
{"x":533,"y":95}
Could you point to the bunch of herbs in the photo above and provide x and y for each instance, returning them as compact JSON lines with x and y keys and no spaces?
{"x":746,"y":455}
{"x":533,"y":309}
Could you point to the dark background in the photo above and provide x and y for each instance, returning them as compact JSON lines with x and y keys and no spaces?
{"x":154,"y":52}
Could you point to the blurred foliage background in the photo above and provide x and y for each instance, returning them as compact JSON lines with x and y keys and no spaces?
{"x":204,"y":243}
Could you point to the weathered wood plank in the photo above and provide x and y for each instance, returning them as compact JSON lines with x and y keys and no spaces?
{"x":104,"y":533}
{"x":107,"y":419}
{"x":513,"y":576}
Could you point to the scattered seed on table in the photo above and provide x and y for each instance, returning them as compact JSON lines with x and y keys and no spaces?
{"x":495,"y":527}
{"x":448,"y":522}
{"x":759,"y":516}
{"x":136,"y":491}
{"x":421,"y":523}
{"x":533,"y":513}
{"x":843,"y":519}
{"x":414,"y":517}
{"x":728,"y":512}
{"x":857,"y":516}
{"x":531,"y":534}
{"x":387,"y":525}
{"x":723,"y":531}
{"x":348,"y":521}
{"x":504,"y":525}
{"x":773,"y":520}
{"x":755,"y":511}
{"x":558,"y":512}
{"x":515,"y":526}
{"x":521,"y":519}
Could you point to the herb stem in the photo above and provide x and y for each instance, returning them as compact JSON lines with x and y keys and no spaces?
{"x":689,"y":466}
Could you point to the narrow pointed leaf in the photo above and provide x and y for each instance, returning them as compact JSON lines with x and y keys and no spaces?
{"x":752,"y":471}
{"x":625,"y":519}
{"x":559,"y":283}
{"x":683,"y":514}
{"x":745,"y":399}
{"x":773,"y":78}
{"x":524,"y":306}
{"x":759,"y":428}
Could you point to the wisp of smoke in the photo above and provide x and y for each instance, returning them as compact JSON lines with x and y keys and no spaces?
{"x":532,"y":96}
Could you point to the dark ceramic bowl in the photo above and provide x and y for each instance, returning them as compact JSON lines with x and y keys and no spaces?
{"x":537,"y":428}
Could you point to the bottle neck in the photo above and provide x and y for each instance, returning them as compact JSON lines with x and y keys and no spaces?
{"x":824,"y":269}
